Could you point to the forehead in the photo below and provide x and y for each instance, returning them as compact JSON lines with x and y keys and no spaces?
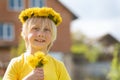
{"x":40,"y":22}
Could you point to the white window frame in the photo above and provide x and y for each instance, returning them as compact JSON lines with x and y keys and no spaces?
{"x":16,"y":6}
{"x":5,"y":36}
{"x":37,"y":3}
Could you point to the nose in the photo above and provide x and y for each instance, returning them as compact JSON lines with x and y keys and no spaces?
{"x":40,"y":34}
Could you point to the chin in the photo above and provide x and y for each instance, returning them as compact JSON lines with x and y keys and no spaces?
{"x":39,"y":47}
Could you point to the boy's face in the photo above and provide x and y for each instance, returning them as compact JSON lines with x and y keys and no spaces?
{"x":39,"y":36}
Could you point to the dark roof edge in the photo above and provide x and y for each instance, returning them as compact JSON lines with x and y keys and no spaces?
{"x":74,"y":15}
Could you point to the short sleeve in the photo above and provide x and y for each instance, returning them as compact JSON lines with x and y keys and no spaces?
{"x":12,"y":71}
{"x":63,"y":74}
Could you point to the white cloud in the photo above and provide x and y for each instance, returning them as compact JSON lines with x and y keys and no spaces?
{"x":93,"y":28}
{"x":97,"y":17}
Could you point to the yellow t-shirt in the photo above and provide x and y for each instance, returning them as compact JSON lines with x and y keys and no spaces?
{"x":53,"y":69}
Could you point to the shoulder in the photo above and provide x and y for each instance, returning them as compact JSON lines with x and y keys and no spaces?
{"x":16,"y":60}
{"x":15,"y":65}
{"x":57,"y":63}
{"x":53,"y":59}
{"x":60,"y":69}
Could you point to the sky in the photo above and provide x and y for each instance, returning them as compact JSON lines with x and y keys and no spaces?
{"x":95,"y":17}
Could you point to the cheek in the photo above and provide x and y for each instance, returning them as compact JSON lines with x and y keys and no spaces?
{"x":30,"y":37}
{"x":49,"y":38}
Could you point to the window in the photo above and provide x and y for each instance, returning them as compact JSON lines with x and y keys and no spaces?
{"x":16,"y":4}
{"x":6,"y":32}
{"x":36,"y":3}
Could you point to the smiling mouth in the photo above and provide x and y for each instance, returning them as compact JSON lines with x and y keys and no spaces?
{"x":39,"y":40}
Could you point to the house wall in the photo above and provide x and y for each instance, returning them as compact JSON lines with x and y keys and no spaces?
{"x":7,"y":16}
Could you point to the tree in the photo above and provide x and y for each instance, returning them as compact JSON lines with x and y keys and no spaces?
{"x":83,"y":45}
{"x":114,"y":73}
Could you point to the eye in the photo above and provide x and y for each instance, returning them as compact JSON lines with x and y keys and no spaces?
{"x":35,"y":28}
{"x":47,"y":29}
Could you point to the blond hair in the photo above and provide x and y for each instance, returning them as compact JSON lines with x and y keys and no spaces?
{"x":27,"y":27}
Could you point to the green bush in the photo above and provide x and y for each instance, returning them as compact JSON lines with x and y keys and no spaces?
{"x":114,"y":73}
{"x":89,"y":51}
{"x":16,"y":51}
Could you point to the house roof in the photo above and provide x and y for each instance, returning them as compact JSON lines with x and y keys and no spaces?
{"x":65,"y":6}
{"x":108,"y":39}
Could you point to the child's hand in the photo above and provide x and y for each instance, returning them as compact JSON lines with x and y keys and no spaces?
{"x":37,"y":74}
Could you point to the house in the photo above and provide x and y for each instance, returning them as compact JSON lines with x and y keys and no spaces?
{"x":108,"y":42}
{"x":10,"y":26}
{"x":108,"y":39}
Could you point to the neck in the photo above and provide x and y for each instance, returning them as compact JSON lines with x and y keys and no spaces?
{"x":32,"y":51}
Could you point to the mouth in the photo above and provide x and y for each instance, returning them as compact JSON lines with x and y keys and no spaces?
{"x":41,"y":41}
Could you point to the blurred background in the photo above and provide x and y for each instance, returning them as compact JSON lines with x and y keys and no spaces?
{"x":87,"y":41}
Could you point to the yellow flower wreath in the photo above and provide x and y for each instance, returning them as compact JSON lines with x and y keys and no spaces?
{"x":40,"y":12}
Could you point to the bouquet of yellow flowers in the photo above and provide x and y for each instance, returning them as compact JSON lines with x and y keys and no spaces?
{"x":37,"y":60}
